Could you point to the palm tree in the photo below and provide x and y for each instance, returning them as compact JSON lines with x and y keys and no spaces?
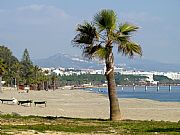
{"x":98,"y":38}
{"x":16,"y":71}
{"x":46,"y":73}
{"x":54,"y":77}
{"x":36,"y":72}
{"x":2,"y":70}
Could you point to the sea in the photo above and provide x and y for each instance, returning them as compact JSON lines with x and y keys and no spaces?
{"x":161,"y":93}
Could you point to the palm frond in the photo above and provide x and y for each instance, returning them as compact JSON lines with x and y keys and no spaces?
{"x":89,"y":51}
{"x":101,"y":53}
{"x":105,"y":20}
{"x":130,"y":49}
{"x":86,"y":34}
{"x":97,"y":51}
{"x":118,"y":37}
{"x":127,"y":28}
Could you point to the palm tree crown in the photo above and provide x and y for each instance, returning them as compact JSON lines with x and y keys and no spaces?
{"x":98,"y":37}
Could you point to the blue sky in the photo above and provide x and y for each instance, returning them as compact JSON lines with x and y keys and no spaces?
{"x":46,"y":27}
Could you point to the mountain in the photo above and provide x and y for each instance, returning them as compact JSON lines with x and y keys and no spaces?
{"x":67,"y":61}
{"x":77,"y":62}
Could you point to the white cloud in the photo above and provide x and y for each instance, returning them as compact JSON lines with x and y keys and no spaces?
{"x":44,"y":9}
{"x":37,"y":27}
{"x":35,"y":15}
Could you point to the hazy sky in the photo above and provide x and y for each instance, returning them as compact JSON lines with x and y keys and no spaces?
{"x":46,"y":27}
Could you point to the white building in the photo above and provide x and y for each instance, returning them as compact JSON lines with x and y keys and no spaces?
{"x":99,"y":72}
{"x":149,"y":75}
{"x":173,"y":75}
{"x":58,"y":72}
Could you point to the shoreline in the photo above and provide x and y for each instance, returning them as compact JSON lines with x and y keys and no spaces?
{"x":87,"y":104}
{"x":162,"y":95}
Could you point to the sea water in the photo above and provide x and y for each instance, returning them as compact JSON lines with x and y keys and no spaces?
{"x":150,"y":92}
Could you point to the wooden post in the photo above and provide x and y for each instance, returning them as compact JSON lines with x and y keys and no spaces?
{"x":169,"y":88}
{"x":134,"y":87}
{"x":157,"y":87}
{"x":145,"y":88}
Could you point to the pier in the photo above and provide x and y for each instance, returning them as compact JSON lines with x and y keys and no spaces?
{"x":156,"y":88}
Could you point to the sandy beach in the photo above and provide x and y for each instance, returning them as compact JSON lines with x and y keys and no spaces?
{"x":85,"y":104}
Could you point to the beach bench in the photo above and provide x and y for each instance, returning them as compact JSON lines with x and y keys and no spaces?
{"x":6,"y":100}
{"x":21,"y":102}
{"x":40,"y":102}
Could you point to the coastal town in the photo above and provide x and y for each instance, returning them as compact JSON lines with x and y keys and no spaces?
{"x":149,"y":75}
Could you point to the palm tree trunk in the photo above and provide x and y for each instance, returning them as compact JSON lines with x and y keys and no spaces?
{"x":17,"y":83}
{"x":53,"y":84}
{"x":114,"y":104}
{"x":43,"y":85}
{"x":0,"y":84}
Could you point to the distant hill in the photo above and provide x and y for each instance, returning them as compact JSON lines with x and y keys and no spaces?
{"x":148,"y":65}
{"x":67,"y":61}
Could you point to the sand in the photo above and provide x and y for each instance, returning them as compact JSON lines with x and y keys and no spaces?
{"x":85,"y":104}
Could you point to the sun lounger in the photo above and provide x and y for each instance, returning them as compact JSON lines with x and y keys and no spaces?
{"x":6,"y":100}
{"x":21,"y":102}
{"x":40,"y":102}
